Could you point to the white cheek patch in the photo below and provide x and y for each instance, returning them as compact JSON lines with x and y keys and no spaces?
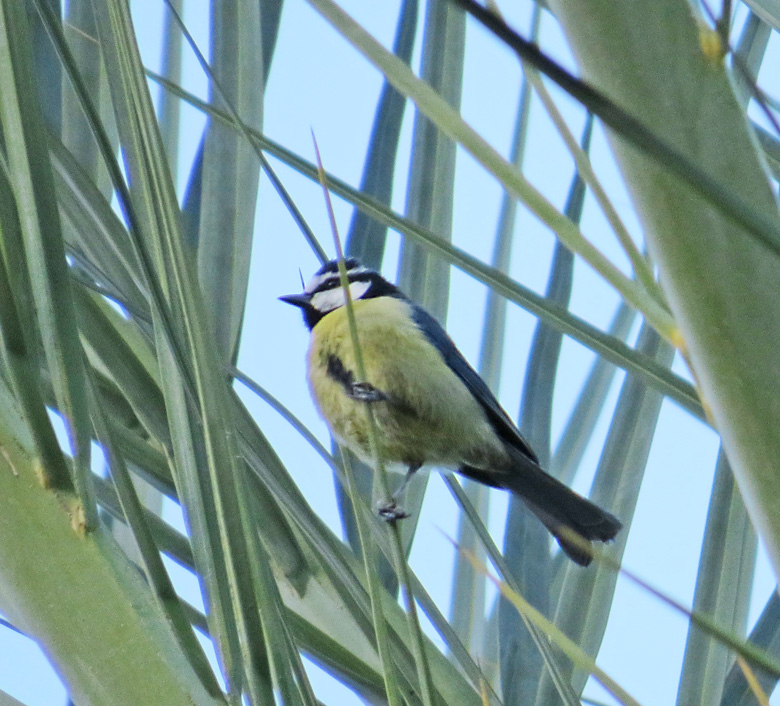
{"x":330,"y":299}
{"x":358,"y":289}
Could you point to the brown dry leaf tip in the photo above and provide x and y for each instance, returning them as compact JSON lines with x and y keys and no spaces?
{"x":711,"y":45}
{"x":78,"y":520}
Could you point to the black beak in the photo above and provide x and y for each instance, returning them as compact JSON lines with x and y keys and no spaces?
{"x":300,"y":300}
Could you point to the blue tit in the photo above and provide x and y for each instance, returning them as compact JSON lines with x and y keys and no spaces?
{"x":429,"y":405}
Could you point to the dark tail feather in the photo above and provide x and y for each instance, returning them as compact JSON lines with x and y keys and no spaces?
{"x":573,"y":520}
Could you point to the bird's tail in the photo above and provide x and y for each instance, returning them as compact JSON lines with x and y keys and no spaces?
{"x":574,"y":521}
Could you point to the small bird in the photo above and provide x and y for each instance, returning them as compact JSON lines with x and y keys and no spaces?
{"x":430,"y":406}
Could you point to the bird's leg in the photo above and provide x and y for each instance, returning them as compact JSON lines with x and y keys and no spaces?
{"x":366,"y":392}
{"x":413,"y":468}
{"x":392,"y":511}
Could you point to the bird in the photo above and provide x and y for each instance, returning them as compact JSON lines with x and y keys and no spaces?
{"x":430,"y":407}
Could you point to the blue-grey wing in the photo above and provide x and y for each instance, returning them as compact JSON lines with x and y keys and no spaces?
{"x":500,"y":420}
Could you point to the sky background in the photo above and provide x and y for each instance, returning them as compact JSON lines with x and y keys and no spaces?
{"x":333,"y":91}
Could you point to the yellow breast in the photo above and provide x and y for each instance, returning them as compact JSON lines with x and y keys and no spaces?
{"x":430,"y":416}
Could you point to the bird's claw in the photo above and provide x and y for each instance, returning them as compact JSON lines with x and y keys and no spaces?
{"x":366,"y":392}
{"x":392,"y":512}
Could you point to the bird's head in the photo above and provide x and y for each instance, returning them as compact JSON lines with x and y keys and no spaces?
{"x":324,"y":293}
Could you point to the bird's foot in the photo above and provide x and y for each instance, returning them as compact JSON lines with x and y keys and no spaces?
{"x":392,"y":512}
{"x":366,"y":392}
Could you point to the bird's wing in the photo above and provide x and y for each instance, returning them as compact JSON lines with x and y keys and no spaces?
{"x":500,"y":420}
